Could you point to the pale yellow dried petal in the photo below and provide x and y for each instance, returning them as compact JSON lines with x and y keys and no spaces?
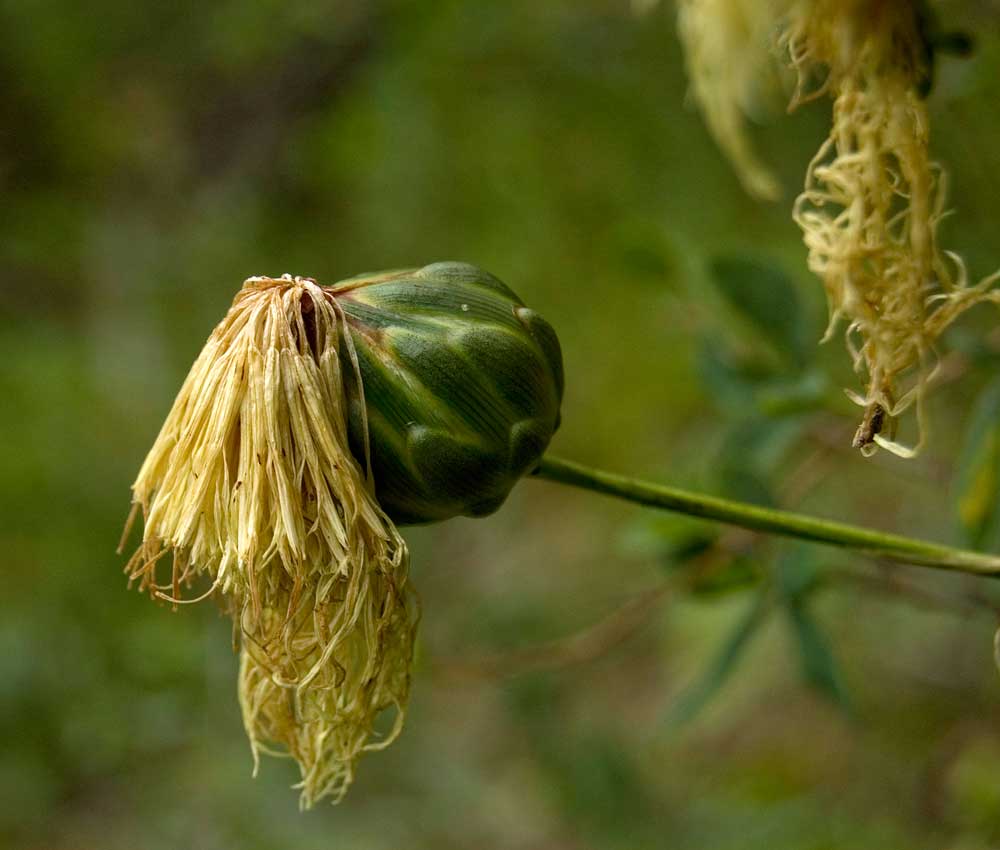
{"x":252,"y":484}
{"x":320,"y":704}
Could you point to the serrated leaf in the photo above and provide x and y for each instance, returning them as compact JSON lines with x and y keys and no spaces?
{"x":693,"y":700}
{"x":764,"y":297}
{"x":977,"y":474}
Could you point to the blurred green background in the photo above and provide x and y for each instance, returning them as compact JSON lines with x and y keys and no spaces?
{"x":743,"y":694}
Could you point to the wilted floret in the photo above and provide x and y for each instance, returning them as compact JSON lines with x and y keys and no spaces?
{"x":346,"y":661}
{"x":433,"y":390}
{"x":872,"y":199}
{"x":872,"y":202}
{"x":252,"y":483}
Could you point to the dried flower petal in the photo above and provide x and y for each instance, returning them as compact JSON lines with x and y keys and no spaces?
{"x":252,"y":483}
{"x":348,"y":660}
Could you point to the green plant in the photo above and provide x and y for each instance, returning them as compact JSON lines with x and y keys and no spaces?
{"x":316,"y":418}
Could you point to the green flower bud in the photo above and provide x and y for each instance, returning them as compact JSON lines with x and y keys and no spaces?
{"x":461,"y":386}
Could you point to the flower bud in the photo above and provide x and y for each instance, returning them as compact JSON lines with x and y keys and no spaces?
{"x":460,"y":388}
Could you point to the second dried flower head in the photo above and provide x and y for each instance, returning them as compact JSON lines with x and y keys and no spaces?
{"x":873,"y":197}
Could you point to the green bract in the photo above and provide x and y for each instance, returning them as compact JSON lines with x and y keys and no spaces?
{"x":461,"y":385}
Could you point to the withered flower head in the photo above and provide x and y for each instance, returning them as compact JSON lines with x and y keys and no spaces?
{"x":872,"y":202}
{"x":873,"y":197}
{"x":313,"y":419}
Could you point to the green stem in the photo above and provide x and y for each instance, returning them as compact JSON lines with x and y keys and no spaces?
{"x":869,"y":541}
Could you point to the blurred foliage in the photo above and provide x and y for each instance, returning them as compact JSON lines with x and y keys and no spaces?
{"x":157,"y":154}
{"x":978,"y":472}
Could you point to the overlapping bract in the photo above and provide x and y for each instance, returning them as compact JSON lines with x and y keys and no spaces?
{"x":462,"y":386}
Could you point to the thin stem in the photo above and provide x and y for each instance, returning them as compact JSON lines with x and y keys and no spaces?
{"x":869,"y":541}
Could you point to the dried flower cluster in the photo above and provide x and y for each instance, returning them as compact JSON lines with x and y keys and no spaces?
{"x":251,"y":484}
{"x":873,"y":197}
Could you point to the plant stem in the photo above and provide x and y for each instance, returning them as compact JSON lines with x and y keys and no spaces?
{"x":869,"y":541}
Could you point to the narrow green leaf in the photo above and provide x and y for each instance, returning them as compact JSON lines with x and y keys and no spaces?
{"x":996,"y":649}
{"x":977,"y":474}
{"x":678,"y":544}
{"x":819,"y":668}
{"x":733,"y":574}
{"x":799,"y":573}
{"x":670,"y":539}
{"x":692,"y":701}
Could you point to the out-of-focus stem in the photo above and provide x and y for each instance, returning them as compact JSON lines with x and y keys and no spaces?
{"x":877,"y":544}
